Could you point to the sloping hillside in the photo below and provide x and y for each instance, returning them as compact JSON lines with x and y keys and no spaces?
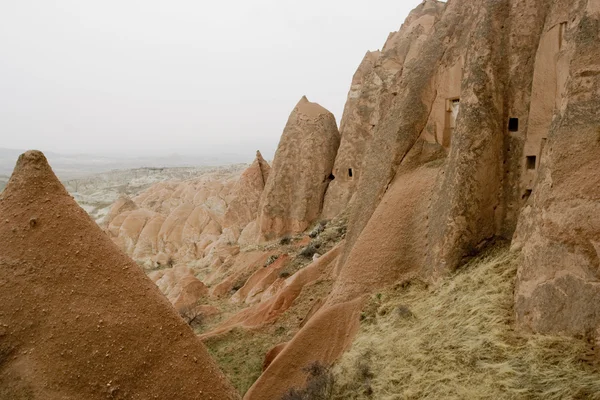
{"x":456,"y":341}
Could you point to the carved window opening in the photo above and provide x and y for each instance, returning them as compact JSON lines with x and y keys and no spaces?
{"x":513,"y":125}
{"x":350,"y":172}
{"x":531,"y":161}
{"x":452,"y":109}
{"x":561,"y":34}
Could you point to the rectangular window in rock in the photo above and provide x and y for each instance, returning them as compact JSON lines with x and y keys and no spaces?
{"x":452,"y":108}
{"x":513,"y":124}
{"x":350,"y":172}
{"x":561,"y":34}
{"x":531,"y":160}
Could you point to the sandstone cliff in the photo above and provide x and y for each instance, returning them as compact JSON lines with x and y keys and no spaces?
{"x":558,"y":287}
{"x":461,"y":130}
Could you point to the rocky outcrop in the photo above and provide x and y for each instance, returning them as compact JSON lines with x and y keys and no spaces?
{"x":558,"y":286}
{"x":243,"y":209}
{"x":301,"y":172}
{"x":373,"y":87}
{"x":78,"y":318}
{"x":180,"y":286}
{"x":361,"y":115}
{"x":123,"y":204}
{"x":451,"y":161}
{"x":473,"y":110}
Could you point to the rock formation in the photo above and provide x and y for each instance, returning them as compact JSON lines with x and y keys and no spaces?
{"x":78,"y":318}
{"x":293,"y":196}
{"x":356,"y":129}
{"x":183,"y":221}
{"x":476,"y":122}
{"x":484,"y":88}
{"x":373,"y":86}
{"x":243,"y":209}
{"x":558,"y":287}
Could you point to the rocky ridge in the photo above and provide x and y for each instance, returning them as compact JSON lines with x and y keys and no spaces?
{"x":475,"y":123}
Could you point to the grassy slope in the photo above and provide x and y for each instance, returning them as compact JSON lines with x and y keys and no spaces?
{"x":456,"y":342}
{"x":240,"y":353}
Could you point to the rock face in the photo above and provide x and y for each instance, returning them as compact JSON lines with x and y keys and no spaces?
{"x":373,"y":86}
{"x":293,"y":196}
{"x":481,"y":90}
{"x":558,"y":287}
{"x":243,"y":209}
{"x":477,"y":121}
{"x":356,"y":129}
{"x":79,"y":319}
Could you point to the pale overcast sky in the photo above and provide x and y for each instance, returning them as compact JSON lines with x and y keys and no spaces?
{"x":154,"y":77}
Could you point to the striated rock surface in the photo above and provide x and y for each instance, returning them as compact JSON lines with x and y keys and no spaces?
{"x":180,"y":286}
{"x":558,"y":286}
{"x":454,"y":156}
{"x":182,"y":221}
{"x":78,"y":318}
{"x":361,"y":115}
{"x":301,"y":172}
{"x":374,"y":85}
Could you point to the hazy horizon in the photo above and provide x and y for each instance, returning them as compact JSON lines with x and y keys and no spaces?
{"x":155,"y":78}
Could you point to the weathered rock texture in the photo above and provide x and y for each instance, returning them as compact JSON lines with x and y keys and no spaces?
{"x":558,"y":288}
{"x":78,"y":318}
{"x":192,"y":221}
{"x":477,"y":119}
{"x":445,"y":151}
{"x":373,"y":87}
{"x":293,"y":196}
{"x":243,"y":209}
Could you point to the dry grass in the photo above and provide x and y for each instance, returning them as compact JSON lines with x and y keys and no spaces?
{"x":240,"y":353}
{"x":456,"y":342}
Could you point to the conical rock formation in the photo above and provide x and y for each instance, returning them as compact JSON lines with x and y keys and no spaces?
{"x":79,"y":319}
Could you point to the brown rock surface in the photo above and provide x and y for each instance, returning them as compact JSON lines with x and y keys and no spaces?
{"x":361,"y":115}
{"x":293,"y":196}
{"x":180,"y":286}
{"x":282,"y":297}
{"x":324,"y":338}
{"x":123,"y":204}
{"x":271,"y":354}
{"x":465,"y":68}
{"x":78,"y":318}
{"x":373,"y":86}
{"x":243,"y":209}
{"x":558,"y":286}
